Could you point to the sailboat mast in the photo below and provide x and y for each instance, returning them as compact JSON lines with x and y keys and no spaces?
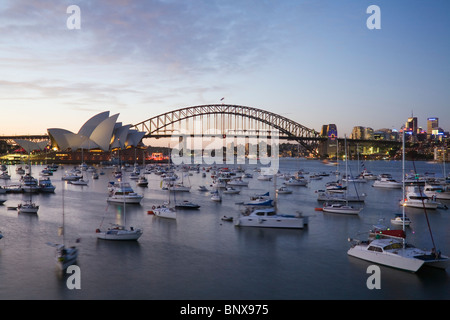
{"x":63,"y":225}
{"x":403,"y":174}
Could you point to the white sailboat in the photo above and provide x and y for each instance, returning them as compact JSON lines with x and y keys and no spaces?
{"x":118,"y":231}
{"x":65,"y":256}
{"x":344,"y":196}
{"x":341,"y":208}
{"x":397,"y":253}
{"x":167,"y":210}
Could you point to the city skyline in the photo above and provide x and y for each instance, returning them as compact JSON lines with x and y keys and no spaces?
{"x":314,"y":62}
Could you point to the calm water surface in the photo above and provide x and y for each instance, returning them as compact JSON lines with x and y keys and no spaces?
{"x":199,"y":256}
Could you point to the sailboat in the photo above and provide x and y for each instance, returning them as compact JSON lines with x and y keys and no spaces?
{"x":65,"y":256}
{"x":166,"y":210}
{"x":118,"y":231}
{"x":28,"y":206}
{"x":331,"y":196}
{"x":397,"y":253}
{"x":341,"y":208}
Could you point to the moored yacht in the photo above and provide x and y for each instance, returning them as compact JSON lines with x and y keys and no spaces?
{"x":119,"y":232}
{"x":269,"y":218}
{"x":437,"y":191}
{"x":392,"y":253}
{"x":123,"y":193}
{"x":341,"y":208}
{"x":416,"y":199}
{"x":164,"y":211}
{"x":387,"y":182}
{"x":27,"y":207}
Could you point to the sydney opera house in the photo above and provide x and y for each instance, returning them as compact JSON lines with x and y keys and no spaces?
{"x":100,"y":134}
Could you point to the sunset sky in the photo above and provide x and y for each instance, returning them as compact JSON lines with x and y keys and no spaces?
{"x":313,"y":61}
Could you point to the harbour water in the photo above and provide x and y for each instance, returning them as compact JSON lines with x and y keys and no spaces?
{"x":201,"y":257}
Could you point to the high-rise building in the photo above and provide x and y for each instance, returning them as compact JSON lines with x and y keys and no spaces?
{"x":357,"y":133}
{"x":411,"y":125}
{"x":432,"y":124}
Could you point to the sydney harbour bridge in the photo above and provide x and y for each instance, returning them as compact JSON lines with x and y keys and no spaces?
{"x":225,"y":120}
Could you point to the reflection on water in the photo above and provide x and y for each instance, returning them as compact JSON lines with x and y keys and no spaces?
{"x":200,"y":256}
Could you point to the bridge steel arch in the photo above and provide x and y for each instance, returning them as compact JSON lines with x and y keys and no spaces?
{"x":158,"y":126}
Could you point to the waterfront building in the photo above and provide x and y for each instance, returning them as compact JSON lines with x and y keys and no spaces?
{"x":101,"y":132}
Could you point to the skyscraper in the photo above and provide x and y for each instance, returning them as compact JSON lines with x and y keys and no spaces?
{"x":432,"y":124}
{"x":411,"y":125}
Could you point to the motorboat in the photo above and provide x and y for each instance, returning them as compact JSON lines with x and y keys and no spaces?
{"x":437,"y":191}
{"x":414,"y":198}
{"x":357,"y":179}
{"x":226,"y":218}
{"x":283,"y":190}
{"x":341,"y":208}
{"x":269,"y":218}
{"x":79,"y":182}
{"x":368,"y":175}
{"x":265,"y":177}
{"x":28,"y":183}
{"x":72,"y":175}
{"x":27,"y":207}
{"x":216,"y":197}
{"x":398,"y":219}
{"x":296,"y":182}
{"x":123,"y":193}
{"x":202,"y":188}
{"x":333,"y":196}
{"x":315,"y":176}
{"x":4,"y":175}
{"x":20,"y":170}
{"x":238,"y":182}
{"x":46,"y":186}
{"x":46,"y":172}
{"x":119,"y":232}
{"x":231,"y":190}
{"x":142,"y":181}
{"x":335,"y":186}
{"x":186,"y":205}
{"x":387,"y":182}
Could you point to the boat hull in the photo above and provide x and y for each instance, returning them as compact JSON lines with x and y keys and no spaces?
{"x":165,"y":213}
{"x":119,"y":235}
{"x":390,"y":260}
{"x":286,"y":223}
{"x":119,"y":199}
{"x":349,"y":211}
